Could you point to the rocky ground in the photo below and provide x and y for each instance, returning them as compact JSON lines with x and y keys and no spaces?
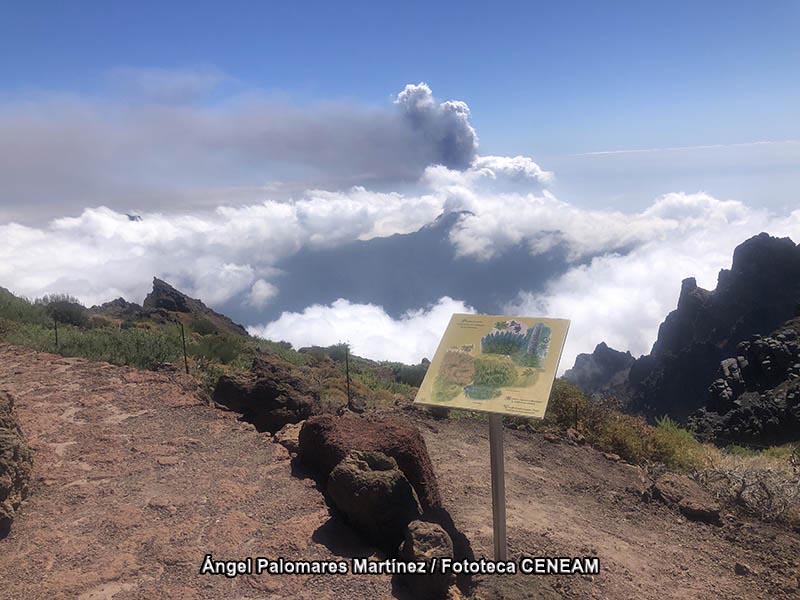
{"x":136,"y":478}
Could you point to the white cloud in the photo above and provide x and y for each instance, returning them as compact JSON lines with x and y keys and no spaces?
{"x":369,"y":330}
{"x":261,"y":292}
{"x":622,"y":298}
{"x":66,"y":151}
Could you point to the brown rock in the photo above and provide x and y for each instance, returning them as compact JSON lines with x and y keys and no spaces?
{"x":612,"y":457}
{"x":325,"y":440}
{"x":16,"y":462}
{"x":693,"y":501}
{"x":374,"y":496}
{"x":270,"y":396}
{"x":424,"y":541}
{"x":552,"y":438}
{"x":575,"y":437}
{"x":288,"y":436}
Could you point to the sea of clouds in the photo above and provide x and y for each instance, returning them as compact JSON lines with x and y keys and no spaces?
{"x":625,"y":271}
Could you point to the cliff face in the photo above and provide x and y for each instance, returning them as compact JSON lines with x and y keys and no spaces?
{"x":603,"y":372}
{"x":759,"y":293}
{"x":756,"y":396}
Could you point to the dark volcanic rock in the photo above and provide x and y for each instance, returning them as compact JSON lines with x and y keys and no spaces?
{"x":422,"y":542}
{"x":119,"y":309}
{"x":325,"y":440}
{"x":370,"y":490}
{"x":756,"y":396}
{"x":16,"y":461}
{"x":758,"y":293}
{"x":604,"y":371}
{"x":165,"y":299}
{"x":270,"y":396}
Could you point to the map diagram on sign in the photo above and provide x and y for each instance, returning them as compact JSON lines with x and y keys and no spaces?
{"x":496,"y":364}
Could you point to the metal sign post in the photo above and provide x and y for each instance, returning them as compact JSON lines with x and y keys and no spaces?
{"x":501,"y":365}
{"x":498,"y":486}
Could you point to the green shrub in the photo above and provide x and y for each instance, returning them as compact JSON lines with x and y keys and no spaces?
{"x":220,"y":347}
{"x":203,"y":326}
{"x":627,"y":436}
{"x":21,"y":310}
{"x":372,"y":380}
{"x":139,"y":348}
{"x":64,"y":309}
{"x":565,"y":399}
{"x":411,"y":375}
{"x":675,"y":447}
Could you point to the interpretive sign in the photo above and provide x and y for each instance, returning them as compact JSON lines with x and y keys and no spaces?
{"x":496,"y":364}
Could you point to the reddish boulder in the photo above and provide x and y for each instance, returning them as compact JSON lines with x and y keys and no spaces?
{"x":325,"y":440}
{"x":16,"y":461}
{"x":375,"y":497}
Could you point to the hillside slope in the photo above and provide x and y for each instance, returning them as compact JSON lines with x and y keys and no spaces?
{"x":136,"y":478}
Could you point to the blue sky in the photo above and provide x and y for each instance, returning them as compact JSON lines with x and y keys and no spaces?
{"x":545,"y":77}
{"x":621,"y":145}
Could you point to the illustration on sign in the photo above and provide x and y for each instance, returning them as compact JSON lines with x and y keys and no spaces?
{"x":495,"y":364}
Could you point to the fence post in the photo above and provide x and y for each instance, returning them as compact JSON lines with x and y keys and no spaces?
{"x":183,"y":342}
{"x":347,"y":374}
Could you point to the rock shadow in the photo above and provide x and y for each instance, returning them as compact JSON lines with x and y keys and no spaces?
{"x":342,"y":540}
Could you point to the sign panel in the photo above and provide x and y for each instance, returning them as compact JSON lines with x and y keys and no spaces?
{"x":495,"y":364}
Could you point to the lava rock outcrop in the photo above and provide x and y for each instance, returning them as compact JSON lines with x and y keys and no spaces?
{"x":16,"y":462}
{"x":756,"y":396}
{"x":759,"y":293}
{"x":270,"y":396}
{"x":325,"y":441}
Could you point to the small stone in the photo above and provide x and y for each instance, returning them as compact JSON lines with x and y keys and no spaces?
{"x":288,"y":436}
{"x":612,"y":457}
{"x":422,"y":542}
{"x":167,"y":461}
{"x":576,"y":437}
{"x":742,"y":569}
{"x":552,"y":438}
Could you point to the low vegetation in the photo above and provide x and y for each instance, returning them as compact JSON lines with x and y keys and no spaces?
{"x":60,"y":324}
{"x":764,"y":482}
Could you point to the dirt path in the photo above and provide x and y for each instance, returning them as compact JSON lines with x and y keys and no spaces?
{"x":568,"y":500}
{"x":136,"y":479}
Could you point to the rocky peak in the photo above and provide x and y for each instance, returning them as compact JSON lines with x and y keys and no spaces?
{"x":604,"y":371}
{"x":758,"y":293}
{"x":166,"y":299}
